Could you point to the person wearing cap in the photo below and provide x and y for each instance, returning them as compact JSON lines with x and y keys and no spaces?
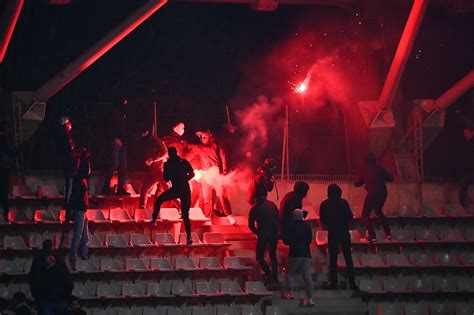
{"x":65,"y":148}
{"x":335,"y":214}
{"x":265,"y":214}
{"x":263,"y":182}
{"x":300,"y":237}
{"x":290,"y":202}
{"x":179,"y":172}
{"x":374,"y":177}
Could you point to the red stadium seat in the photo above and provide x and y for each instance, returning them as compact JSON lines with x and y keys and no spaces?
{"x":422,"y":260}
{"x":10,"y":267}
{"x":15,"y":243}
{"x":405,"y":211}
{"x":160,"y":264}
{"x":143,"y":215}
{"x":115,"y":240}
{"x":45,"y":216}
{"x":209,"y":263}
{"x":106,"y":291}
{"x":48,"y":191}
{"x":448,"y":259}
{"x":231,"y":288}
{"x":119,"y":215}
{"x":399,"y":285}
{"x":157,"y":290}
{"x":194,"y":237}
{"x":397,"y":260}
{"x":256,"y":288}
{"x":110,"y":265}
{"x":425,"y":284}
{"x":426,"y":235}
{"x":372,"y":260}
{"x":321,"y":238}
{"x":165,"y":240}
{"x":86,"y":266}
{"x":132,"y":290}
{"x":19,"y":217}
{"x":207,"y":289}
{"x":140,"y":240}
{"x":184,"y":263}
{"x":135,"y":264}
{"x":196,"y":215}
{"x":213,"y":238}
{"x":96,"y":216}
{"x":181,"y":289}
{"x":416,"y":309}
{"x":235,"y":263}
{"x":169,"y":214}
{"x":370,"y":285}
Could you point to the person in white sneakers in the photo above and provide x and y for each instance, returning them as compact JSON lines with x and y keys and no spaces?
{"x":299,"y":259}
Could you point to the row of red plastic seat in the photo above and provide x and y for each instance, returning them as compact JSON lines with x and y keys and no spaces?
{"x":212,"y":239}
{"x":183,"y":310}
{"x":414,"y":284}
{"x":104,"y":216}
{"x":423,"y":308}
{"x":178,"y":289}
{"x":234,"y":263}
{"x":407,"y":236}
{"x":449,"y":259}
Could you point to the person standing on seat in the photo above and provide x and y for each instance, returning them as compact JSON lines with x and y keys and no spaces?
{"x":79,"y":203}
{"x":336,"y":215}
{"x":265,"y":214}
{"x":300,"y":237}
{"x":154,"y":155}
{"x":65,"y":149}
{"x":262,"y":182}
{"x":179,"y":172}
{"x":374,"y":177}
{"x":6,"y":156}
{"x":290,"y":202}
{"x":468,"y":179}
{"x":118,"y":134}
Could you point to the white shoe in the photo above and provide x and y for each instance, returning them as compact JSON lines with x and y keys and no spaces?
{"x":231,"y":219}
{"x":308,"y":303}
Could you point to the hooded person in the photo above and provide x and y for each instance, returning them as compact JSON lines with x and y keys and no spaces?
{"x":335,"y":214}
{"x":263,"y":181}
{"x":290,"y":202}
{"x":374,"y":178}
{"x":299,"y":239}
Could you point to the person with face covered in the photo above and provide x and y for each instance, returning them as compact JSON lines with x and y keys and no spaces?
{"x":374,"y":177}
{"x":290,"y":202}
{"x":262,"y":182}
{"x":211,"y":154}
{"x":175,"y":139}
{"x":154,"y":154}
{"x":336,"y":215}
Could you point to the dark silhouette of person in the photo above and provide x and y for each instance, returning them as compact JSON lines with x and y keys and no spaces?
{"x":6,"y":156}
{"x":265,"y":214}
{"x":262,"y":182}
{"x":336,"y":215}
{"x":178,"y":171}
{"x":154,"y":153}
{"x":290,"y":202}
{"x":50,"y":281}
{"x":79,"y":203}
{"x":118,"y":134}
{"x":19,"y":304}
{"x":374,"y":177}
{"x":75,"y":307}
{"x":65,"y":148}
{"x":468,"y":178}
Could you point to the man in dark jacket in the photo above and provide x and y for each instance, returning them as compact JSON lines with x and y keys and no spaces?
{"x":336,"y":215}
{"x":118,"y":134}
{"x":175,"y":139}
{"x":79,"y":203}
{"x":265,"y":214}
{"x":374,"y":177}
{"x":154,"y":153}
{"x":291,"y":201}
{"x":468,"y":179}
{"x":6,"y":157}
{"x":50,"y":282}
{"x":263,"y":182}
{"x":178,"y":171}
{"x":65,"y":148}
{"x":300,"y":237}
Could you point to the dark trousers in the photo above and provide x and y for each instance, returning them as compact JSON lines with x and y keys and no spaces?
{"x":374,"y":202}
{"x":270,"y":242}
{"x":466,"y":181}
{"x":118,"y":161}
{"x":184,"y":196}
{"x":4,"y":189}
{"x":343,"y":241}
{"x":154,"y":175}
{"x":69,"y":164}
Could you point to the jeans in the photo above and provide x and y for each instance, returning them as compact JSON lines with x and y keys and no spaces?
{"x":53,"y":308}
{"x":344,"y":241}
{"x":118,"y":160}
{"x":80,"y":238}
{"x":184,"y":196}
{"x":262,"y":243}
{"x":302,"y":264}
{"x":208,"y":194}
{"x":375,"y":202}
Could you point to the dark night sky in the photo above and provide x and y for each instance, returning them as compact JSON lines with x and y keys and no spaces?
{"x":200,"y":57}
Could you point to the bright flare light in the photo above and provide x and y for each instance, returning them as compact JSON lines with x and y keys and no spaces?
{"x":302,"y":87}
{"x":197,"y":175}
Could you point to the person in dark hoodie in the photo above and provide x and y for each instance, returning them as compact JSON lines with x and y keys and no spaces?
{"x":300,"y":237}
{"x":291,"y":201}
{"x":374,"y":177}
{"x":6,"y":157}
{"x":51,"y":284}
{"x":263,"y":182}
{"x":336,"y":215}
{"x":265,"y":214}
{"x":79,"y":203}
{"x":179,"y":172}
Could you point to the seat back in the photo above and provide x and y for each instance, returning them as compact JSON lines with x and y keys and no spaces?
{"x":228,"y":310}
{"x":82,"y":291}
{"x":213,"y":238}
{"x":47,"y":191}
{"x":86,"y":266}
{"x":395,"y":285}
{"x":209,"y":263}
{"x":184,"y":263}
{"x":196,"y":214}
{"x":22,"y":191}
{"x":370,"y":285}
{"x":44,"y":216}
{"x":106,"y":290}
{"x":160,"y":264}
{"x":109,"y":264}
{"x":205,"y":288}
{"x":251,"y":310}
{"x":454,"y":210}
{"x":372,"y":260}
{"x":169,"y":214}
{"x":19,"y":216}
{"x":448,"y":259}
{"x":403,"y":235}
{"x":234,"y":262}
{"x":94,"y":215}
{"x":181,"y":288}
{"x":135,"y":264}
{"x":119,"y":215}
{"x":422,"y":259}
{"x":164,"y":239}
{"x":157,"y":289}
{"x":416,"y":309}
{"x":426,"y":235}
{"x":143,"y":215}
{"x":230,"y":287}
{"x":424,"y":284}
{"x":14,"y":242}
{"x":115,"y":240}
{"x":94,"y":241}
{"x":131,"y":289}
{"x":405,"y":211}
{"x":9,"y":267}
{"x":255,"y":287}
{"x":194,"y":237}
{"x":397,"y":260}
{"x":140,"y":240}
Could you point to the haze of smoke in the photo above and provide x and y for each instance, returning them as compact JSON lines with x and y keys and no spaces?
{"x":236,"y":179}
